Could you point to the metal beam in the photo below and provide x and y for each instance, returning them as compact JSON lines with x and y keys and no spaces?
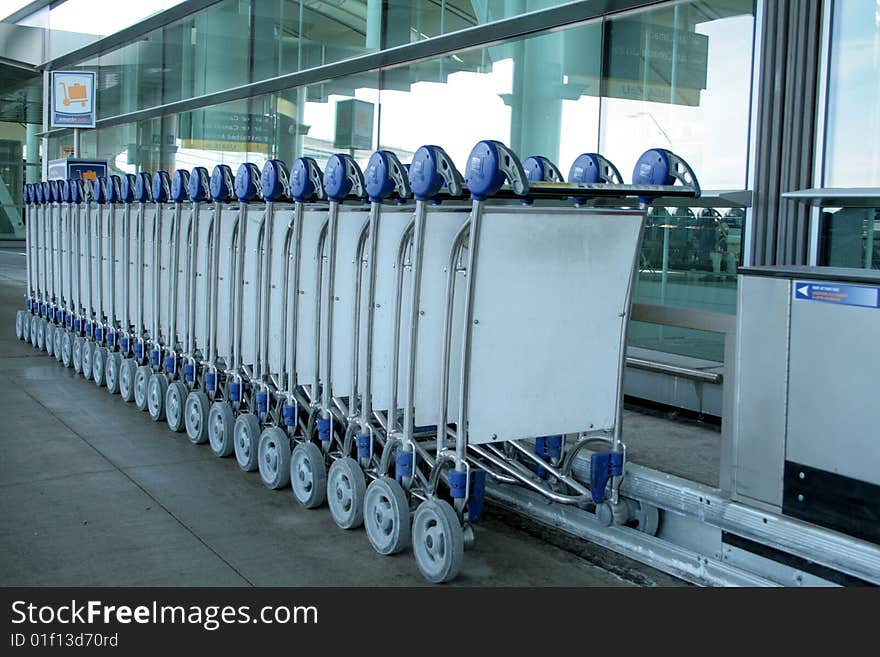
{"x":472,"y":37}
{"x":30,"y":8}
{"x":129,"y":34}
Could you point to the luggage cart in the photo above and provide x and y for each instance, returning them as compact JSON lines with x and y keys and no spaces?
{"x":224,"y":234}
{"x":385,"y":177}
{"x":21,"y":314}
{"x":53,"y":224}
{"x":178,"y":370}
{"x":122,"y":190}
{"x":333,"y":310}
{"x":64,"y":339}
{"x":146,"y":354}
{"x":539,"y":280}
{"x":83,"y":326}
{"x":198,"y":314}
{"x":246,"y":259}
{"x":106,"y":196}
{"x":165,"y":256}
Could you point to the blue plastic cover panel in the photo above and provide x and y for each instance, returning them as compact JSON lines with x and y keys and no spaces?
{"x":653,"y":168}
{"x":274,"y":181}
{"x":302,"y":187}
{"x":484,"y":175}
{"x":222,"y":184}
{"x":161,"y":187}
{"x":180,"y":186}
{"x":98,"y":195}
{"x":126,"y":188}
{"x":336,"y":183}
{"x":112,"y":189}
{"x":199,"y":185}
{"x":424,"y":177}
{"x":379,"y":183}
{"x":247,"y":183}
{"x":143,"y":189}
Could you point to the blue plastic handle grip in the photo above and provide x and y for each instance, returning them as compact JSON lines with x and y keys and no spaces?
{"x":222,"y":184}
{"x":247,"y":183}
{"x":302,"y":187}
{"x":126,"y":188}
{"x":484,"y":174}
{"x":274,"y":181}
{"x":161,"y":187}
{"x":180,"y":186}
{"x":143,"y":187}
{"x":199,"y":185}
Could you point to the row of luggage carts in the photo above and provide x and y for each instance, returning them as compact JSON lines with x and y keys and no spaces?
{"x":381,"y":341}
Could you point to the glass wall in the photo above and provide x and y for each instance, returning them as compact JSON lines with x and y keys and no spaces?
{"x":850,"y":237}
{"x":665,"y":77}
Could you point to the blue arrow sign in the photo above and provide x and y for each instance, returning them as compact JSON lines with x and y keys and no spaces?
{"x":843,"y":295}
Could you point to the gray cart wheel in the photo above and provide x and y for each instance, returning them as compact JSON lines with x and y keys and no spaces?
{"x":50,"y":342}
{"x":308,"y":475}
{"x":58,"y":345}
{"x":35,"y":328}
{"x":88,"y":350}
{"x":19,"y":324}
{"x":195,"y":414}
{"x":346,"y":488}
{"x":274,"y":458}
{"x":157,"y":386}
{"x":127,"y":373}
{"x":114,"y":362}
{"x":175,"y":399}
{"x":438,"y":541}
{"x":67,"y":349}
{"x":247,"y":441}
{"x":26,"y":327}
{"x":386,"y":516}
{"x":77,"y":354}
{"x":141,"y":381}
{"x":221,"y":427}
{"x":99,"y":365}
{"x":41,"y":334}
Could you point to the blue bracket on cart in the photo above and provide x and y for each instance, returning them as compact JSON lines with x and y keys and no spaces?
{"x":275,"y":181}
{"x":247,"y":183}
{"x":161,"y":187}
{"x":477,"y":495}
{"x":490,"y":165}
{"x":306,"y":180}
{"x":403,"y":465}
{"x":180,"y":186}
{"x":659,"y":166}
{"x":384,"y":176}
{"x":343,"y":178}
{"x":222,"y":184}
{"x":604,"y":466}
{"x":199,"y":185}
{"x":324,"y":429}
{"x":547,"y":448}
{"x":430,"y":171}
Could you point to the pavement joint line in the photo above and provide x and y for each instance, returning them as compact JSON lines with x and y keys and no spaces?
{"x":41,"y":480}
{"x":136,"y":483}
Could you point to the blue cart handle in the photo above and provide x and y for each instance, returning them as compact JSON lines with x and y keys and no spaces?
{"x":343,"y":178}
{"x":431,"y":170}
{"x":659,"y":166}
{"x":306,"y":180}
{"x":384,"y":176}
{"x":490,"y":164}
{"x":540,"y":169}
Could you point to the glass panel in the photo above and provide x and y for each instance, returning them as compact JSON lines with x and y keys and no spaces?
{"x":850,"y":237}
{"x":852,"y":155}
{"x":12,"y":138}
{"x":702,"y":345}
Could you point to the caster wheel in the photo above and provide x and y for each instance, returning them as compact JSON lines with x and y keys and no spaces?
{"x":35,"y":327}
{"x":88,"y":351}
{"x":141,"y":379}
{"x":99,"y":365}
{"x":386,"y":516}
{"x":346,"y":487}
{"x":127,"y":374}
{"x":26,"y":327}
{"x":175,"y":398}
{"x":247,"y":439}
{"x":274,"y":458}
{"x":67,"y":349}
{"x":438,"y":541}
{"x":157,"y":386}
{"x":19,"y":324}
{"x":50,"y":339}
{"x":221,"y":427}
{"x":41,"y":334}
{"x":114,"y":362}
{"x":77,"y":354}
{"x":308,"y":475}
{"x":195,"y":413}
{"x":58,"y":344}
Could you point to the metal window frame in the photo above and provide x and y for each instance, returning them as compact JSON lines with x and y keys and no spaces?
{"x":523,"y":25}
